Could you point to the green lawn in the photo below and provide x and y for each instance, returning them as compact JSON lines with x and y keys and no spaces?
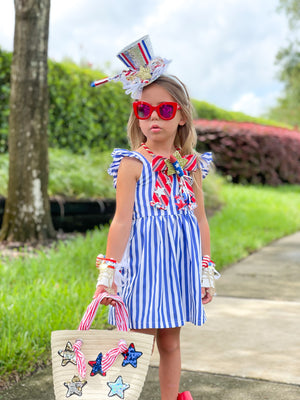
{"x":252,"y":217}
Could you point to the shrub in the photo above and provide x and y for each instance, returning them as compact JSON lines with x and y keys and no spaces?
{"x":209,"y":111}
{"x":252,"y":153}
{"x":5,"y":62}
{"x":81,"y":117}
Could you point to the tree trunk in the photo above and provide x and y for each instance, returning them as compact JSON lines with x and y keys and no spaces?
{"x":27,"y":210}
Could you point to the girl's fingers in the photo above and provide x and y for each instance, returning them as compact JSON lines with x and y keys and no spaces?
{"x":206,"y":296}
{"x":108,"y":301}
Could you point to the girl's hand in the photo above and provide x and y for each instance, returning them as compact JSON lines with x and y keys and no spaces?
{"x":206,"y":296}
{"x":107,"y":301}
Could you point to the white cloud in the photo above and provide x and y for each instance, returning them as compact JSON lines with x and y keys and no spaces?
{"x":255,"y":105}
{"x":7,"y":24}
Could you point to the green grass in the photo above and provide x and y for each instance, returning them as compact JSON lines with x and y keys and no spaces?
{"x":72,"y":175}
{"x":47,"y":292}
{"x":253,"y":216}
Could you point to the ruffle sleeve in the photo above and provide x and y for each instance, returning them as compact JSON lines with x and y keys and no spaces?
{"x":118,"y":155}
{"x":205,"y":160}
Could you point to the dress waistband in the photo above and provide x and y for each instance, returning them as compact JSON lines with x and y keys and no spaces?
{"x":163,"y":213}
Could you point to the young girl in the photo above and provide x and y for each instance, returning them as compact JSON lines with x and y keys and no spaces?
{"x":160,"y":229}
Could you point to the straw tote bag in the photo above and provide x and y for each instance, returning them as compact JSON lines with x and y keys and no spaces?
{"x":100,"y":364}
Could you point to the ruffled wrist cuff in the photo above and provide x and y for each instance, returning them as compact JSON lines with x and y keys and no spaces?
{"x":209,"y":274}
{"x":110,"y":272}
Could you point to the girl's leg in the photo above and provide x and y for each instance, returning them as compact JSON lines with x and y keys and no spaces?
{"x":168,"y":343}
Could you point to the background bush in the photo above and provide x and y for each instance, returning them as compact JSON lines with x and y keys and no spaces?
{"x":252,"y":153}
{"x":82,"y":117}
{"x":208,"y":111}
{"x":5,"y":62}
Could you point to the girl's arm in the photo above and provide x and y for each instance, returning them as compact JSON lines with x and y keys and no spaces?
{"x":203,"y":225}
{"x":128,"y":174}
{"x":200,"y":213}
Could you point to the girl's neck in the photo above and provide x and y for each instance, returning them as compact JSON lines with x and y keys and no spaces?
{"x":162,"y":149}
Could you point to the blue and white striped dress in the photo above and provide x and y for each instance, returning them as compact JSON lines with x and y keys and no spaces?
{"x":163,"y":254}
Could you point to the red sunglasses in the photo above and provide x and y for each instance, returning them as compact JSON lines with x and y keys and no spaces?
{"x":165,"y":110}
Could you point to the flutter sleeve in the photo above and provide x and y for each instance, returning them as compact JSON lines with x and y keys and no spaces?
{"x":204,"y":160}
{"x":118,"y":155}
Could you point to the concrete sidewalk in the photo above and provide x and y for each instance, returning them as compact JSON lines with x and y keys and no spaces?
{"x":249,"y":347}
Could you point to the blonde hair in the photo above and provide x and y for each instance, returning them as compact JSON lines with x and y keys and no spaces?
{"x":186,"y":136}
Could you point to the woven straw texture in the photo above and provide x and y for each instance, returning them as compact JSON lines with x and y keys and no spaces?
{"x":95,"y":342}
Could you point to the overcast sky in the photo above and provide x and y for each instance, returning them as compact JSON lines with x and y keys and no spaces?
{"x":224,"y":50}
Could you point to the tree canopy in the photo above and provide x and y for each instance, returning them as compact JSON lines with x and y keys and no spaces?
{"x":288,"y":105}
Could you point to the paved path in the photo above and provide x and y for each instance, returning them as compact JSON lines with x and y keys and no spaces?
{"x":249,"y":347}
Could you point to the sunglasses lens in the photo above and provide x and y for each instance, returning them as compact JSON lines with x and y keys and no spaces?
{"x":166,"y":111}
{"x":143,"y":110}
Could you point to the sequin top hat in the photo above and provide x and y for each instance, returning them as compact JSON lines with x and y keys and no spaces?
{"x":143,"y":67}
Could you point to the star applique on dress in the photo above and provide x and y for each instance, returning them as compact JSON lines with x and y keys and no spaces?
{"x":179,"y":202}
{"x":131,"y":356}
{"x":117,"y":387}
{"x":75,"y":386}
{"x":97,"y":366}
{"x":159,"y":191}
{"x":68,"y":354}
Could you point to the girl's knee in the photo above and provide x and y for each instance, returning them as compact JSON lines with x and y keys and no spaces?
{"x":168,"y":340}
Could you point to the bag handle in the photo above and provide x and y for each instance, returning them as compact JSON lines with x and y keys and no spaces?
{"x":121,"y":312}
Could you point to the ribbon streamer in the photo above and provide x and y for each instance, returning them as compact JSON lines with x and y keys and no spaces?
{"x":85,"y":324}
{"x":120,"y":311}
{"x":80,"y":359}
{"x":110,"y":357}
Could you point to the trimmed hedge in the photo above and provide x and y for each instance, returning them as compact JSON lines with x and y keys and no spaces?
{"x":80,"y":117}
{"x":5,"y":62}
{"x":252,"y":153}
{"x":211,"y":112}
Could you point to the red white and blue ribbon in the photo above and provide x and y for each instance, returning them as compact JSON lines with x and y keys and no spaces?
{"x":85,"y":324}
{"x":120,"y":311}
{"x":110,"y":357}
{"x":80,"y":360}
{"x":163,"y":184}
